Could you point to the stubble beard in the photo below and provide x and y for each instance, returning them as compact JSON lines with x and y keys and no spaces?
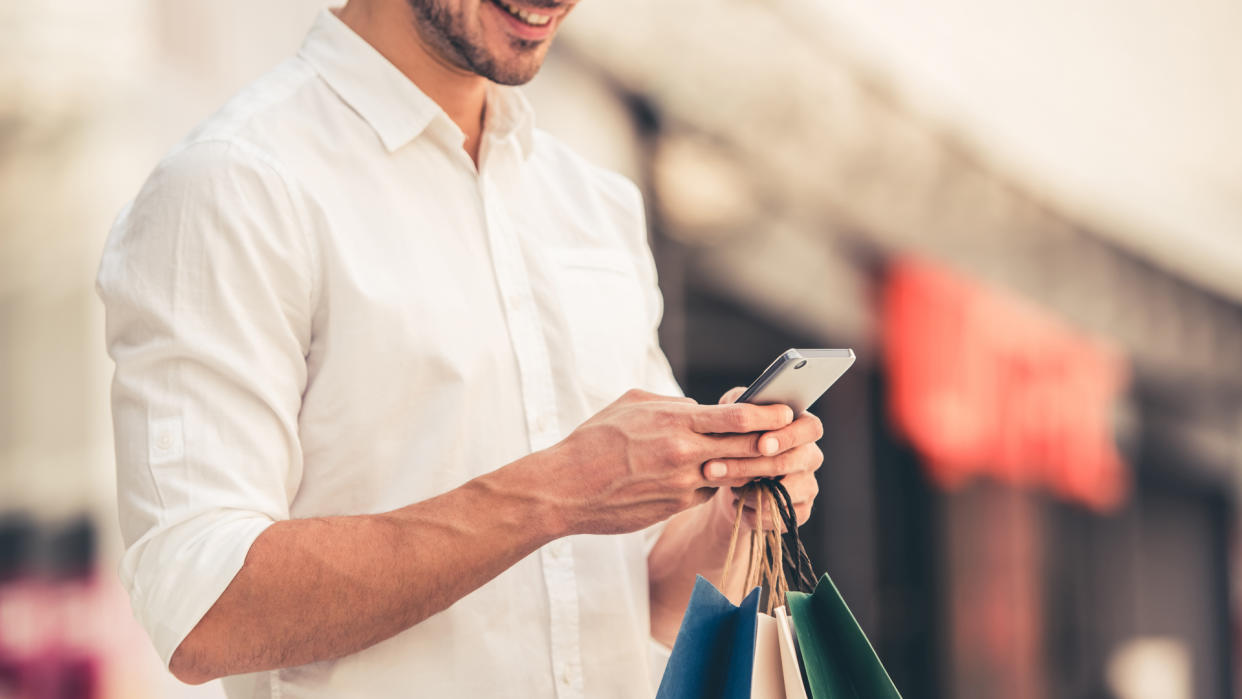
{"x":445,"y":34}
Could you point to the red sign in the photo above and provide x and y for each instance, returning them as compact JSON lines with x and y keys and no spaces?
{"x":986,"y":384}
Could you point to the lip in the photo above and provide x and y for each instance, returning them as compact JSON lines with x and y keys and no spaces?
{"x":523,"y":30}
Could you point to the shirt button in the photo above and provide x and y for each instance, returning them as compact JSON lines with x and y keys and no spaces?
{"x":543,"y":423}
{"x":163,"y":441}
{"x":564,"y":676}
{"x":560,"y":548}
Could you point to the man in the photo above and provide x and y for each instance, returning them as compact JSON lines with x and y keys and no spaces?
{"x":386,"y":368}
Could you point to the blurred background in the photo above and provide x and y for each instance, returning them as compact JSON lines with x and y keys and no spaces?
{"x":1026,"y":219}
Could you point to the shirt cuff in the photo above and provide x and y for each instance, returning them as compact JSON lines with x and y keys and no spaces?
{"x":659,"y":655}
{"x":179,"y":572}
{"x":651,"y":535}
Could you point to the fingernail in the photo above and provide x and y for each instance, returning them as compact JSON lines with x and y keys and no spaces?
{"x":717,"y":469}
{"x":789,"y":416}
{"x":768,"y":446}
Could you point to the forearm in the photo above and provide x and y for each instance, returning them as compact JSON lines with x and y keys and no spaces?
{"x":692,"y":543}
{"x":317,"y":589}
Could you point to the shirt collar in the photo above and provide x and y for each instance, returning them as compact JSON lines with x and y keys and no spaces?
{"x":389,"y":101}
{"x":510,"y":114}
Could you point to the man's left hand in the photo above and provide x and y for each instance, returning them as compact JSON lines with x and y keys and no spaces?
{"x":790,"y":451}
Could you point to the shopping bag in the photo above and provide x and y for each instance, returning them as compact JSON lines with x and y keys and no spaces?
{"x":791,"y":672}
{"x":767,"y":678}
{"x":734,"y":652}
{"x":713,"y":655}
{"x":731,"y":651}
{"x":839,"y":660}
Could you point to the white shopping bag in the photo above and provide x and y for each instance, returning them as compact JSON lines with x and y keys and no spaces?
{"x":776,"y":673}
{"x":791,"y":675}
{"x":767,"y":680}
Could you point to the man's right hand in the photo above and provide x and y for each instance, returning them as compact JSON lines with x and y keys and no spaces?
{"x":640,"y":460}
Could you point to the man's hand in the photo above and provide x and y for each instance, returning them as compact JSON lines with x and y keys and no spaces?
{"x":790,"y":451}
{"x":696,"y":541}
{"x":647,"y":457}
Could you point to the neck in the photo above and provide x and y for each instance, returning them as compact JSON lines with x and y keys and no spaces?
{"x":391,"y":28}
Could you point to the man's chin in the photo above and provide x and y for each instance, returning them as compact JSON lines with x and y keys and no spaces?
{"x":513,"y":79}
{"x":517,"y":70}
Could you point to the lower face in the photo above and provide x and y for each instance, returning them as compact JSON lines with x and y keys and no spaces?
{"x":504,"y":41}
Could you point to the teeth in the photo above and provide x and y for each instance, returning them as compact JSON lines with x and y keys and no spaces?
{"x":527,"y":17}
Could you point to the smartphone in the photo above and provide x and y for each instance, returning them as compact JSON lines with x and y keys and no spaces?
{"x":798,"y":378}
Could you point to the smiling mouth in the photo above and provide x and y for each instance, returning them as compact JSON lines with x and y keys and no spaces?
{"x":531,"y":18}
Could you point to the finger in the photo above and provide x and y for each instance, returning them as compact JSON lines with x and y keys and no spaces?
{"x":803,"y":505}
{"x":802,"y":489}
{"x":726,"y":481}
{"x":702,"y":495}
{"x":803,"y":512}
{"x":750,"y":516}
{"x":732,"y":395}
{"x":729,"y":446}
{"x":806,"y":429}
{"x":739,"y":418}
{"x":800,"y":486}
{"x":750,"y":519}
{"x":749,"y":510}
{"x":804,"y":458}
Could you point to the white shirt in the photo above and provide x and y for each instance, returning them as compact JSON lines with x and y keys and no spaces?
{"x":317,"y":307}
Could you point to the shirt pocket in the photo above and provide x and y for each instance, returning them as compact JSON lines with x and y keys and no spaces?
{"x":603,"y":304}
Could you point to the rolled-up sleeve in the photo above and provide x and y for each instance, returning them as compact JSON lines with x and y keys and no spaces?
{"x":208,"y":282}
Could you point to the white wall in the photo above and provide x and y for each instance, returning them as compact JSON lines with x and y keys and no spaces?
{"x":1125,"y":112}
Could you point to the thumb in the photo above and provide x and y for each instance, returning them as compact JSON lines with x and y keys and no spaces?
{"x":732,"y":394}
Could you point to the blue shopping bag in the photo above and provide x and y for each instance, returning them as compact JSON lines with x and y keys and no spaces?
{"x":713,"y":656}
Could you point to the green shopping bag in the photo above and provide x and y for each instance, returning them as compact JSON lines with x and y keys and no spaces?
{"x":837,"y":657}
